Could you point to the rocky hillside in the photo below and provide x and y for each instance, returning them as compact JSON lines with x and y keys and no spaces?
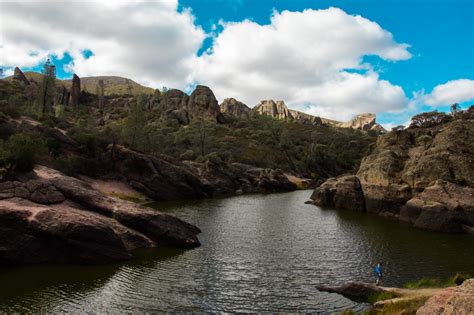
{"x":423,"y":175}
{"x":279,"y":110}
{"x":112,"y":84}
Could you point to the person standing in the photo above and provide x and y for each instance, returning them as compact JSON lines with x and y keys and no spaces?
{"x":378,"y":274}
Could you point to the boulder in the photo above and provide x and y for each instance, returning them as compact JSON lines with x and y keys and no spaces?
{"x":60,"y":219}
{"x":353,"y":289}
{"x":450,"y":301}
{"x":344,"y":192}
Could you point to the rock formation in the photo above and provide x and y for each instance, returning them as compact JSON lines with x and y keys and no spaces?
{"x":277,"y":110}
{"x":161,"y":178}
{"x":364,"y":122}
{"x":424,"y":176}
{"x":59,"y":219}
{"x":20,"y":76}
{"x":234,"y":108}
{"x":175,"y":104}
{"x":75,"y":90}
{"x":458,"y":300}
{"x":202,"y":102}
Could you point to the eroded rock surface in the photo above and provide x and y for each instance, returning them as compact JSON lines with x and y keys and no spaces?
{"x":450,"y":301}
{"x":424,"y":176}
{"x":234,"y":108}
{"x":61,"y":219}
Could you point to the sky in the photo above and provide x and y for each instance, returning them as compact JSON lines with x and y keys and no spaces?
{"x":332,"y":58}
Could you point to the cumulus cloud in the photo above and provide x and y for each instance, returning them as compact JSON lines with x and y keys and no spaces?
{"x":150,"y":42}
{"x":303,"y":58}
{"x":456,"y":91}
{"x":311,"y":59}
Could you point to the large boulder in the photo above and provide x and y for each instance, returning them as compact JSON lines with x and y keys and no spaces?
{"x":60,"y":219}
{"x":344,"y":192}
{"x":450,"y":301}
{"x":353,"y":289}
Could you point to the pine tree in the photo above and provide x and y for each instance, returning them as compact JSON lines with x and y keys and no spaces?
{"x":47,"y":88}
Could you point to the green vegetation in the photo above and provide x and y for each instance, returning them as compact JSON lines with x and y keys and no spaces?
{"x":20,"y":153}
{"x":137,"y":122}
{"x":381,"y":296}
{"x":457,"y":279}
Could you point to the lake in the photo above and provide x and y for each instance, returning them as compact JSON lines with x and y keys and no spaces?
{"x":259,"y":253}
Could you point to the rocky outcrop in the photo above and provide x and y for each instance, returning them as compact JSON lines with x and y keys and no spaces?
{"x":450,"y":301}
{"x":277,"y":110}
{"x":344,"y":192}
{"x":59,"y":219}
{"x":20,"y":76}
{"x":175,"y":104}
{"x":202,"y":102}
{"x":75,"y":90}
{"x":424,"y":176}
{"x":162,"y":178}
{"x":355,"y":289}
{"x":234,"y":108}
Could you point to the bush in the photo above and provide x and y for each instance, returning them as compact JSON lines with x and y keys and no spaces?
{"x":21,"y":152}
{"x":187,"y":155}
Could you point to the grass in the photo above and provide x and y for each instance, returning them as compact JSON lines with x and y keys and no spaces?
{"x":457,"y":279}
{"x":381,"y":296}
{"x":408,"y":307}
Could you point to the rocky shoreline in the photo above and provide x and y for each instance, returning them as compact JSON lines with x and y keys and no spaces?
{"x":53,"y":218}
{"x":424,"y":301}
{"x":423,"y":176}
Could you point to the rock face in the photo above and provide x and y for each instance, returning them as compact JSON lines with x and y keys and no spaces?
{"x":277,"y":110}
{"x":234,"y":108}
{"x":202,"y":102}
{"x":20,"y":76}
{"x":344,"y":192}
{"x":161,"y":178}
{"x":450,"y":301}
{"x":424,"y":176}
{"x":175,"y":104}
{"x":75,"y":90}
{"x":60,"y":219}
{"x":363,"y":122}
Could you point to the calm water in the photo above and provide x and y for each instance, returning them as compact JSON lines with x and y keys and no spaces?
{"x":259,"y":253}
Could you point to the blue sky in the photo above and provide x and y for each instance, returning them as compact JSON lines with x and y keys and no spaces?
{"x":440,"y":35}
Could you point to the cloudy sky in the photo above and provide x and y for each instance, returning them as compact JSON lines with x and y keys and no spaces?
{"x":329,"y":58}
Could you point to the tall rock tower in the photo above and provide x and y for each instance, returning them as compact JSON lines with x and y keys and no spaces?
{"x":75,"y":90}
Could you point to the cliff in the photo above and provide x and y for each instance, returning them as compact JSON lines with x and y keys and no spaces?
{"x":421,"y":175}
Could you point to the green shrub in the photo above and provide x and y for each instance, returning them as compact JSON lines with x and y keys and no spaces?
{"x":21,"y":152}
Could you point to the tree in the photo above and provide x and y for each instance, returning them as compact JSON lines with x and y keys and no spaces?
{"x":20,"y":153}
{"x":428,"y":119}
{"x":47,"y":88}
{"x":100,"y":93}
{"x":202,"y":136}
{"x":455,"y":108}
{"x":136,"y":121}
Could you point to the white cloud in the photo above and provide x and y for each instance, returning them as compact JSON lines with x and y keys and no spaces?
{"x":150,"y":42}
{"x":300,"y":57}
{"x":456,"y":91}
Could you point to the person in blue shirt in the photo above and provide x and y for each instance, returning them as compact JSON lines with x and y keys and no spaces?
{"x":378,"y":274}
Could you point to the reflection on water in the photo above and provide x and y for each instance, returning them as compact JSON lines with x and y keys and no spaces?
{"x":259,"y":253}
